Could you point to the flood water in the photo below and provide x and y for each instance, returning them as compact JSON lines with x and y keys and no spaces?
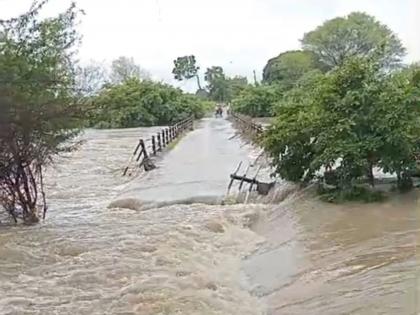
{"x":161,"y":243}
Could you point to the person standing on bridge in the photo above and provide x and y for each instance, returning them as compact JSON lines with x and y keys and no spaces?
{"x":219,"y":111}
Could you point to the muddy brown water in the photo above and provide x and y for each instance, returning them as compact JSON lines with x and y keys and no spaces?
{"x":339,"y":259}
{"x":184,"y":253}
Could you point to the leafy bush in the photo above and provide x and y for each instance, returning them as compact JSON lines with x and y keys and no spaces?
{"x":354,"y":118}
{"x":256,"y":101}
{"x":38,"y":110}
{"x":137,"y":103}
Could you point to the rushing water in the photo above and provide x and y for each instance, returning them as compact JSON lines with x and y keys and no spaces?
{"x":348,"y":259}
{"x":161,"y":243}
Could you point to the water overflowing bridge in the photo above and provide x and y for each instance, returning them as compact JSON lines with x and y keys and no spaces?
{"x":198,"y":166}
{"x":192,"y":255}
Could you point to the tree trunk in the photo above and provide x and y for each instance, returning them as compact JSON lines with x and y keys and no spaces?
{"x":398,"y":178}
{"x":405,"y":182}
{"x":370,"y":175}
{"x":198,"y":82}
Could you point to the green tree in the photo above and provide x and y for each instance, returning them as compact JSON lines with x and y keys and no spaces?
{"x":137,"y":103}
{"x":91,"y":78}
{"x":214,"y":73}
{"x":256,"y":101}
{"x":354,"y":119}
{"x":288,"y":67}
{"x":217,"y":84}
{"x":39,"y":112}
{"x":236,"y":85}
{"x":202,"y":94}
{"x":222,"y":88}
{"x":185,"y":68}
{"x":400,"y":127}
{"x":124,"y":68}
{"x":356,"y":35}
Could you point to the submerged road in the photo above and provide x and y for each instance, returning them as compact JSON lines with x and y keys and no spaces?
{"x":198,"y":166}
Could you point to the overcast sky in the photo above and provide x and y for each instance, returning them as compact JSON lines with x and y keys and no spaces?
{"x":239,"y":35}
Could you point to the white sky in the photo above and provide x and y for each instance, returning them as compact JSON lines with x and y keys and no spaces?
{"x":239,"y":35}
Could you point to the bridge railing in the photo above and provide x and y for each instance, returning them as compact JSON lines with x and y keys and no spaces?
{"x":246,"y":123}
{"x":146,"y":148}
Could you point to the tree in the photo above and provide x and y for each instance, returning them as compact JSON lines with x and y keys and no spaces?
{"x":357,"y":35}
{"x":124,"y":68}
{"x":400,"y":128}
{"x":39,"y":112}
{"x":185,"y":68}
{"x":288,"y":67}
{"x":135,"y":103}
{"x":256,"y":101}
{"x":236,"y":85}
{"x":354,"y":118}
{"x":414,"y":70}
{"x":214,"y":73}
{"x":202,"y":94}
{"x":222,"y":88}
{"x":91,"y":78}
{"x":217,"y":84}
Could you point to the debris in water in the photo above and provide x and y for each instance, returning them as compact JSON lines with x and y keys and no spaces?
{"x":262,"y":188}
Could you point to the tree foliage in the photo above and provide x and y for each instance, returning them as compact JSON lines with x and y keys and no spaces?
{"x":352,"y":119}
{"x":124,"y":68}
{"x":185,"y":68}
{"x":356,"y":35}
{"x":288,"y":67}
{"x":213,"y":74}
{"x":137,"y":103}
{"x":236,"y":85}
{"x":222,"y":88}
{"x":91,"y":78}
{"x":217,"y":84}
{"x":38,"y":110}
{"x":256,"y":101}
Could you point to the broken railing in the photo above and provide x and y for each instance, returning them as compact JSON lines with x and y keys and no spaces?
{"x":246,"y":123}
{"x":145,"y":149}
{"x":248,"y":126}
{"x":262,"y":188}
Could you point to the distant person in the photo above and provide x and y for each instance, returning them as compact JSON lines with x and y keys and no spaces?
{"x":219,"y":111}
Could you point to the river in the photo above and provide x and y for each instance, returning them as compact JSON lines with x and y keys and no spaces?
{"x":161,"y":243}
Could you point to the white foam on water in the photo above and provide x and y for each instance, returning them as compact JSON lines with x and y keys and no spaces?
{"x":182,"y":259}
{"x":100,"y":254}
